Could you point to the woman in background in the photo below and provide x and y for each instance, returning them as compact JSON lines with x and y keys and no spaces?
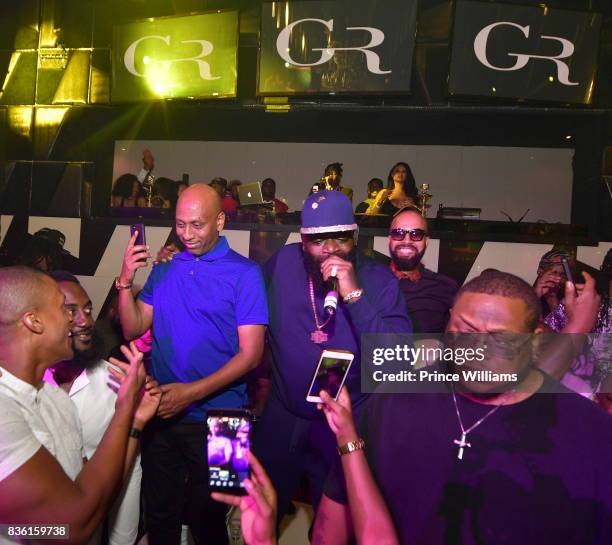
{"x":401,"y":192}
{"x":126,"y":191}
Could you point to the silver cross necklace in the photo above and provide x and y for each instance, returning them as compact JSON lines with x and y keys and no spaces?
{"x":462,"y":443}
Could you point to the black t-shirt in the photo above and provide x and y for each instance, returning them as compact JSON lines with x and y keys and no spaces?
{"x":362,"y":207}
{"x":429,"y":300}
{"x":537,"y":473}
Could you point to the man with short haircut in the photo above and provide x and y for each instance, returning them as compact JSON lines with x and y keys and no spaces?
{"x":42,"y":476}
{"x":429,"y":295}
{"x":293,"y":439}
{"x":208,"y":311}
{"x":268,"y":192}
{"x":85,"y":379}
{"x":485,"y":461}
{"x":375,"y":185}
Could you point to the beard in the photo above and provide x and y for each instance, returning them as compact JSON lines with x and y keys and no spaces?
{"x":88,"y":358}
{"x":313,"y":268}
{"x":407,"y":263}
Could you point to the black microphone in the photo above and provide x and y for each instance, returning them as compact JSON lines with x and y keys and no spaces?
{"x":331,"y":299}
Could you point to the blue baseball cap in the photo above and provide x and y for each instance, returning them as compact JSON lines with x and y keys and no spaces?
{"x":327,"y":212}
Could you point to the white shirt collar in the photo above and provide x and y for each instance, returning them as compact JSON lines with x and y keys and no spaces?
{"x":17,"y":386}
{"x":79,"y":383}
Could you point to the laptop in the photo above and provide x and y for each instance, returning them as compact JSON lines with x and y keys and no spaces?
{"x":250,"y":194}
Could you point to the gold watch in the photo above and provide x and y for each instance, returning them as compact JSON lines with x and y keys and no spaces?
{"x":351,"y":446}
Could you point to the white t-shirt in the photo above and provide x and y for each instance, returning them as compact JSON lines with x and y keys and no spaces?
{"x":32,"y":418}
{"x":94,"y":399}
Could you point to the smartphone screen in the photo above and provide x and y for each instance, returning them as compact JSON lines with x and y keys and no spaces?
{"x":330,"y":374}
{"x":141,"y":239}
{"x":228,"y":443}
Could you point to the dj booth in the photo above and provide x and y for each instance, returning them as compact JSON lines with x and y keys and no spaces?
{"x":58,"y":195}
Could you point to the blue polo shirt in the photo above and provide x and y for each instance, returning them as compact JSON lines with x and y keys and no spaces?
{"x":198,"y":304}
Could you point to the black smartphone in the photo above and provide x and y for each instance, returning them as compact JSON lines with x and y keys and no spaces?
{"x":141,"y":238}
{"x":227,"y":445}
{"x":567,"y":270}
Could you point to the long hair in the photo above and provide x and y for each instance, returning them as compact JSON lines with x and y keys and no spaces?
{"x":409,"y":183}
{"x":123,"y":186}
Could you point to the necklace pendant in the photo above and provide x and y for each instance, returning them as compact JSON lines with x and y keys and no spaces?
{"x":461,"y":444}
{"x":319,"y":336}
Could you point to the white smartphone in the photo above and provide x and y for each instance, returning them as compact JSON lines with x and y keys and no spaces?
{"x":330,"y":374}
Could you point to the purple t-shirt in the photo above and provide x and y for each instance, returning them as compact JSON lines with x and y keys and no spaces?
{"x":429,"y":300}
{"x":537,"y":473}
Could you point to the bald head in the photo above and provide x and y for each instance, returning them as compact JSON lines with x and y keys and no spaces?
{"x":22,"y":289}
{"x":408,"y":240}
{"x":199,"y":218}
{"x":410,"y":216}
{"x":34,"y":322}
{"x":200,"y":195}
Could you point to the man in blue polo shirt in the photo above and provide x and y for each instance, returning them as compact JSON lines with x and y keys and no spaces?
{"x":293,"y":439}
{"x":208,"y":311}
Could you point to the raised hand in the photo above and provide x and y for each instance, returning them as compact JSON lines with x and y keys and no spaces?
{"x":345,"y":273}
{"x":548,"y":281}
{"x":134,"y":258}
{"x":148,"y":161}
{"x":257,"y":509}
{"x":581,"y":305}
{"x":339,"y":415}
{"x":149,"y":395}
{"x":166,"y":253}
{"x":131,"y":378}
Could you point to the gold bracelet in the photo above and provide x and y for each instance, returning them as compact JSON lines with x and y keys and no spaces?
{"x":121,"y":286}
{"x":351,"y":446}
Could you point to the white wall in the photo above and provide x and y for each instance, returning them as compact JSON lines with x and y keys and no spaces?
{"x":491,"y":178}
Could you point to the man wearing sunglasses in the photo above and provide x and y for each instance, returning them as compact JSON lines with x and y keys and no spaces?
{"x":429,"y":295}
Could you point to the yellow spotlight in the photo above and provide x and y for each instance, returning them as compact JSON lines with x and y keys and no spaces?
{"x":20,"y":119}
{"x":49,"y":117}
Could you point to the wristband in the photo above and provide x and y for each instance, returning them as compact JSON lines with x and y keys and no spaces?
{"x":121,"y":286}
{"x":135,"y":433}
{"x":351,"y":446}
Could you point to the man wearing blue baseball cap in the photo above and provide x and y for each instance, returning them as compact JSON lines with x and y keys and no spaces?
{"x":293,"y":439}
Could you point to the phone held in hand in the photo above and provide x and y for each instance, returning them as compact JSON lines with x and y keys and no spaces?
{"x":228,"y":443}
{"x":141,"y":238}
{"x":330,"y":374}
{"x":567,"y":270}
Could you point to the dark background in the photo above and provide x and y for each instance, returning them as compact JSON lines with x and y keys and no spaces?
{"x":86,"y":131}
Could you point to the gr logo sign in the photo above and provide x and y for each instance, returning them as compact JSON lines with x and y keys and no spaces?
{"x":567,"y":50}
{"x":377,"y":37}
{"x":206,"y":48}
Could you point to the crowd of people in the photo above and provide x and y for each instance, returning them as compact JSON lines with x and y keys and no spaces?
{"x":470,"y":462}
{"x":128,"y":190}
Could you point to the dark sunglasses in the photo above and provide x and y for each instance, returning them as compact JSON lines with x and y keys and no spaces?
{"x":416,"y":235}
